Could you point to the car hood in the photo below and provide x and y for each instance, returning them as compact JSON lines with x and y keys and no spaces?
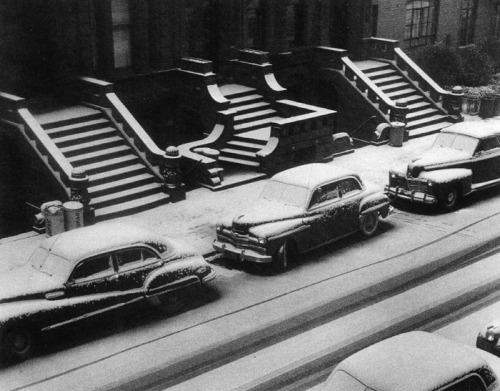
{"x":25,"y":283}
{"x":265,"y":212}
{"x":434,"y":157}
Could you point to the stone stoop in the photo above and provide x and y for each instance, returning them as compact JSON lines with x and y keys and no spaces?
{"x":423,"y":117}
{"x":120,"y":183}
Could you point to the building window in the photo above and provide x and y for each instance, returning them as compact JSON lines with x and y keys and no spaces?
{"x":467,"y":18}
{"x":293,"y":23}
{"x":420,"y":27}
{"x":199,"y":28}
{"x":120,"y":17}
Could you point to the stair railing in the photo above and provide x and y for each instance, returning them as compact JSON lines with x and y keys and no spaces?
{"x":15,"y":112}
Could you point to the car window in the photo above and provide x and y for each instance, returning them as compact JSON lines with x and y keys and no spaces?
{"x":488,"y":144}
{"x":325,"y":193}
{"x":93,"y":268}
{"x":349,"y":186}
{"x":473,"y":383}
{"x":135,"y":257}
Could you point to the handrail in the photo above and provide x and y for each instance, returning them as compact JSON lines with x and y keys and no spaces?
{"x":437,"y":91}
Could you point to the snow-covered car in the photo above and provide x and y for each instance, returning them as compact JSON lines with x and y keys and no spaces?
{"x":88,"y":271}
{"x":416,"y":361}
{"x":488,"y":338}
{"x":463,"y":159}
{"x":300,"y":209}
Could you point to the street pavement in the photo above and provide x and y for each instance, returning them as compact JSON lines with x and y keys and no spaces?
{"x":194,"y":219}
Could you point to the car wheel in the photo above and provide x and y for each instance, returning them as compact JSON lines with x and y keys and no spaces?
{"x":369,"y":224}
{"x":451,"y":199}
{"x":282,"y":258}
{"x":172,"y":302}
{"x":17,"y":343}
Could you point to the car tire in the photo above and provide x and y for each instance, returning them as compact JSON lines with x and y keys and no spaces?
{"x":283,"y":257}
{"x":451,"y":199}
{"x":369,"y":224}
{"x":172,"y":302}
{"x":17,"y":343}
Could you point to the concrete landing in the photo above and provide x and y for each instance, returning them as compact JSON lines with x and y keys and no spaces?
{"x":64,"y":113}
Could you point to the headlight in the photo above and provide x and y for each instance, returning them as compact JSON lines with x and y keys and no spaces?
{"x":262,"y":241}
{"x":219,"y":227}
{"x":430,"y":184}
{"x":393,"y":175}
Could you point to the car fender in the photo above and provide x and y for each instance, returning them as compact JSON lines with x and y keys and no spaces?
{"x":173,"y":274}
{"x":377,"y":202}
{"x":276,"y":232}
{"x":450,"y":176}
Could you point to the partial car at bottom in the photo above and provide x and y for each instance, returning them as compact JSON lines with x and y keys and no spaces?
{"x":416,"y":361}
{"x":488,"y":338}
{"x":301,"y":209}
{"x":89,"y":271}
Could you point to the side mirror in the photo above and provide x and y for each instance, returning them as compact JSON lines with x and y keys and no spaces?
{"x":55,"y":295}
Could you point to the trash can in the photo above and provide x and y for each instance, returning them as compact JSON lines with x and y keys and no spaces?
{"x":73,"y":215}
{"x":54,"y":217}
{"x":397,"y":134}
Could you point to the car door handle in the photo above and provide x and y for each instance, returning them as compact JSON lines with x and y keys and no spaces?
{"x":113,"y":277}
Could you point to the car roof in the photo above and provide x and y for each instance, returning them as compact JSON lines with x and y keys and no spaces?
{"x":416,"y":361}
{"x":474,"y":129}
{"x":87,"y":241}
{"x":312,"y":175}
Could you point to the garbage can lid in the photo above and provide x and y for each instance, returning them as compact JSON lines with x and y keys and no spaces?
{"x":73,"y":205}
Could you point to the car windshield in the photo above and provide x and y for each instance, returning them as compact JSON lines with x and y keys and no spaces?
{"x":285,"y":193}
{"x":456,"y":141}
{"x":50,"y":264}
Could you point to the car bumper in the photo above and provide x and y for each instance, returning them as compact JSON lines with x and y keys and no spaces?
{"x":239,"y":254}
{"x":210,"y":277}
{"x":410,"y":195}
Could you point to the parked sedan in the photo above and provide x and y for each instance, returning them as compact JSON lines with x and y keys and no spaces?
{"x":464,"y":158}
{"x":300,"y":209}
{"x":88,"y":271}
{"x":416,"y":361}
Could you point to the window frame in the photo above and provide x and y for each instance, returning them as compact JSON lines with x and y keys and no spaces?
{"x":136,"y":264}
{"x":104,"y":274}
{"x":425,"y":26}
{"x":466,"y":26}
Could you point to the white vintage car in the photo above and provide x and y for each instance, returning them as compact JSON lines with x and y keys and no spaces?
{"x":416,"y":361}
{"x":90,"y":271}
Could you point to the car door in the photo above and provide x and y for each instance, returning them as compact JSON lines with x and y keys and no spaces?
{"x":134,"y":265}
{"x":351,"y":192}
{"x":93,"y":285}
{"x":486,"y":161}
{"x":326,"y":207}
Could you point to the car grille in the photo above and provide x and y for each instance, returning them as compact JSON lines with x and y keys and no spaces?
{"x":243,"y":241}
{"x":416,"y":185}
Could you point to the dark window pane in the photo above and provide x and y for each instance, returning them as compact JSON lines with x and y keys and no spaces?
{"x":92,"y":268}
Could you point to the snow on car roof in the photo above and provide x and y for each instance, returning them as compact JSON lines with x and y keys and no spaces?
{"x":474,"y":129}
{"x":312,"y":175}
{"x":87,"y":241}
{"x":416,"y":361}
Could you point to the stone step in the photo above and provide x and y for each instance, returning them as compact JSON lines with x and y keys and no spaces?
{"x":389,"y":80}
{"x":245,"y":145}
{"x":125,"y":195}
{"x":245,"y":100}
{"x":395,"y":87}
{"x":117,"y":173}
{"x":121,"y":184}
{"x":110,"y":164}
{"x":132,"y":206}
{"x":418,"y":106}
{"x":238,"y":153}
{"x":251,"y":107}
{"x":78,"y":138}
{"x":425,"y":121}
{"x":400,"y":94}
{"x":73,"y":120}
{"x":380,"y":74}
{"x":240,"y":162}
{"x":254,"y":115}
{"x":426,"y":112}
{"x":430,"y":129}
{"x":78,"y":127}
{"x":232,"y":91}
{"x":96,"y":156}
{"x":90,"y":146}
{"x":255,"y":124}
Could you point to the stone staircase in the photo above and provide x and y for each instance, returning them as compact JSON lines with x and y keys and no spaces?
{"x":252,"y":125}
{"x":121,"y":182}
{"x":424,"y":116}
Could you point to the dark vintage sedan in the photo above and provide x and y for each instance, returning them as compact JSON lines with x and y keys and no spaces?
{"x":300,"y":209}
{"x":489,"y":338}
{"x":88,"y":271}
{"x":463,"y":159}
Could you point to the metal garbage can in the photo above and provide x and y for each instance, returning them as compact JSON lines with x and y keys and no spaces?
{"x":397,"y":134}
{"x":54,"y":217}
{"x":73,"y":215}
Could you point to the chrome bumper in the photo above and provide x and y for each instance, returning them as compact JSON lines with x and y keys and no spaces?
{"x":239,"y":254}
{"x":413,"y":196}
